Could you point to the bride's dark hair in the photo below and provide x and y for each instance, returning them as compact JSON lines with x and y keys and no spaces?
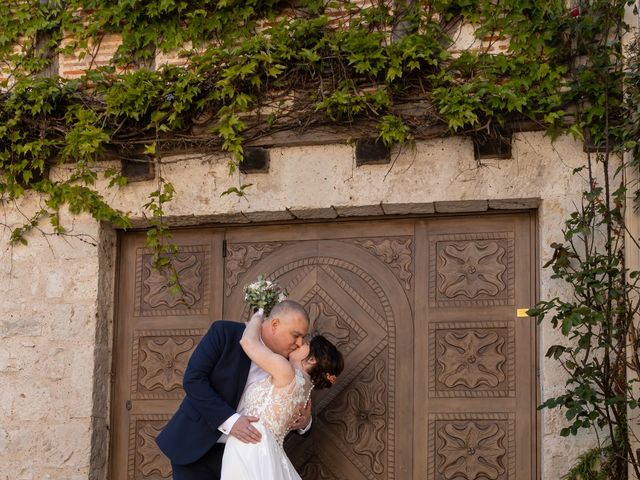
{"x":329,"y":362}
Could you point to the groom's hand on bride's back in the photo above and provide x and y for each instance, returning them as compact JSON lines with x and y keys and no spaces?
{"x":244,"y":431}
{"x":302,"y":417}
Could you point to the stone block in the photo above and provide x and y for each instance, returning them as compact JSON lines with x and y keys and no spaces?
{"x":64,"y":321}
{"x":74,"y":451}
{"x":461,"y":206}
{"x":56,"y":364}
{"x":19,"y":324}
{"x":359,"y":211}
{"x":230,"y":218}
{"x":4,"y":441}
{"x":514,"y":204}
{"x":33,"y":402}
{"x":274,"y":216}
{"x":313,"y":213}
{"x":55,"y":284}
{"x":8,"y":362}
{"x":408,"y":208}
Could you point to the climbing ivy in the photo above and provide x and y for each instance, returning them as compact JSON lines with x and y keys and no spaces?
{"x":258,"y":66}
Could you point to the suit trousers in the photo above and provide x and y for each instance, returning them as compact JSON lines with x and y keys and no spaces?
{"x":206,"y":467}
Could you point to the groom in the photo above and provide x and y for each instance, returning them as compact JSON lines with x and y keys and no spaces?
{"x":216,"y":376}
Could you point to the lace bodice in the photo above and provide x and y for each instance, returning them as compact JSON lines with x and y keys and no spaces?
{"x":275,"y":406}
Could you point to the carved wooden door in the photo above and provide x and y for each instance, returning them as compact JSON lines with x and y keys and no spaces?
{"x":156,"y":332}
{"x":357,"y":283}
{"x":475,"y":379}
{"x":439,"y":381}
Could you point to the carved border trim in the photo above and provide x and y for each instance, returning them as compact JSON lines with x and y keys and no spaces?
{"x":234,"y":269}
{"x":510,"y":363}
{"x":511,"y":437}
{"x":133,"y":420}
{"x":510,"y":254}
{"x":138,"y":312}
{"x":395,"y":268}
{"x":135,"y":360}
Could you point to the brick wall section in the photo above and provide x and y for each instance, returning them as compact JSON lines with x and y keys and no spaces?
{"x":74,"y":66}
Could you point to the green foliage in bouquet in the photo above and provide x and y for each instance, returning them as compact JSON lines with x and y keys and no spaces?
{"x":264,"y":294}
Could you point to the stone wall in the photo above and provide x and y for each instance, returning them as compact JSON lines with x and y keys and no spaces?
{"x":57,"y":293}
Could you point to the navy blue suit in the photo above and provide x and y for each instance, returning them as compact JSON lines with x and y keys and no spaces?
{"x":214,"y":381}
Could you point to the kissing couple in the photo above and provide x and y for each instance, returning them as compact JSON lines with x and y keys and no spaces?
{"x":246,"y":387}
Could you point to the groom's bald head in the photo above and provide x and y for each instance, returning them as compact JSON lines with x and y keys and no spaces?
{"x":285,"y":328}
{"x":288,"y":308}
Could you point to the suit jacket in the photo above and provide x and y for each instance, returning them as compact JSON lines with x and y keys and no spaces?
{"x":214,"y":381}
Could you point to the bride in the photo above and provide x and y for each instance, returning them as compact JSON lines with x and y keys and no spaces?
{"x":274,"y":401}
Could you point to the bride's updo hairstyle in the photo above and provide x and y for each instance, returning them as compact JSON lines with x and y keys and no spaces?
{"x":329,"y":362}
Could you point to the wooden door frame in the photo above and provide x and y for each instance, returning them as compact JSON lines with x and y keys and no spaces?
{"x":533,"y":214}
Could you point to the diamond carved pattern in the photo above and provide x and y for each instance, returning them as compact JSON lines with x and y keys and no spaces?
{"x":348,"y":305}
{"x":159,"y":360}
{"x":472,"y":446}
{"x":472,"y":269}
{"x":146,"y":461}
{"x":153,"y":296}
{"x":360,"y":415}
{"x":326,"y":317}
{"x":472,"y":359}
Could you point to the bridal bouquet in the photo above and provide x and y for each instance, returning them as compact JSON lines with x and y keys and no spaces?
{"x":264,"y":294}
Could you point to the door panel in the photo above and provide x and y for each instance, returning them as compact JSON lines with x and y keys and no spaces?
{"x":476,"y":392}
{"x":357,"y":291}
{"x":156,"y":333}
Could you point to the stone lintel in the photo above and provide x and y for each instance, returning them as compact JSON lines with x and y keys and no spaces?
{"x":193,"y":220}
{"x":359,"y":211}
{"x":514,"y":204}
{"x":313,"y":213}
{"x":462,"y":206}
{"x":345,"y":211}
{"x":269,"y":216}
{"x":408,"y":208}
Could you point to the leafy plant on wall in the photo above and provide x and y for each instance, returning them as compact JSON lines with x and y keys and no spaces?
{"x":258,"y":67}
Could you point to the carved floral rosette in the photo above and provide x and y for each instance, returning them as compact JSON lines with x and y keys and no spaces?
{"x":152,"y":290}
{"x":360,"y":415}
{"x":469,"y":446}
{"x":146,"y":461}
{"x":472,"y":359}
{"x":472,"y":270}
{"x":158,"y":361}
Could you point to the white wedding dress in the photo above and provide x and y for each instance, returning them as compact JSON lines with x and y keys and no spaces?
{"x":275,"y":407}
